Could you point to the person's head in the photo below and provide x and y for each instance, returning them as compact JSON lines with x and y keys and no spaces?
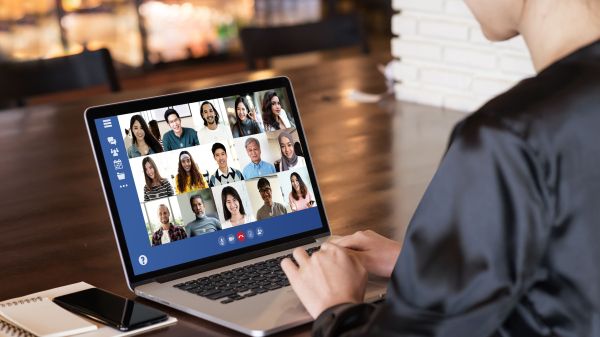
{"x":197,"y":205}
{"x":150,"y":172}
{"x":271,"y":107}
{"x":209,"y":113}
{"x":187,"y":168}
{"x":499,"y":19}
{"x":253,"y":149}
{"x":139,"y":129}
{"x":164,"y":214}
{"x":232,"y":202}
{"x":286,"y":145}
{"x":298,"y":186}
{"x":220,"y":155}
{"x":173,"y":119}
{"x":242,"y":108}
{"x":153,"y":124}
{"x":264,"y":188}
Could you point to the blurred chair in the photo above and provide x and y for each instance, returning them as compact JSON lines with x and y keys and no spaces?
{"x":21,"y":80}
{"x":330,"y":33}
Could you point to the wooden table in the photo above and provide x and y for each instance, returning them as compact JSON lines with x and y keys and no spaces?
{"x":373,"y":162}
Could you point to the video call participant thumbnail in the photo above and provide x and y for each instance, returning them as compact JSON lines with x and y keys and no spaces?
{"x":167,"y":231}
{"x":178,"y":137}
{"x":143,"y":142}
{"x":203,"y":223}
{"x":300,"y":197}
{"x":289,"y":158}
{"x":270,"y":208}
{"x":156,"y":186}
{"x":213,"y":131}
{"x":257,"y":167}
{"x":224,"y":174}
{"x":188,"y":176}
{"x":244,"y":125}
{"x":274,"y":117}
{"x":233,"y":208}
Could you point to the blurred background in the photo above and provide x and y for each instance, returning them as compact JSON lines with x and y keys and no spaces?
{"x":149,"y":35}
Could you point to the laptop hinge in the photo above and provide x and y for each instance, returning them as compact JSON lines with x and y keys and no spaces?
{"x":233,"y":260}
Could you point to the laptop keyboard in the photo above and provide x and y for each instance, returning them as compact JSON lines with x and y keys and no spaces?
{"x":243,"y":282}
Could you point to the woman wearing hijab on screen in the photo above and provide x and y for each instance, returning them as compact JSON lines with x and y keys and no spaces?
{"x":244,"y":125}
{"x":504,"y":240}
{"x":289,"y":159}
{"x":143,"y":142}
{"x":300,"y":197}
{"x":156,"y":186}
{"x":188,"y":176}
{"x":274,"y":117}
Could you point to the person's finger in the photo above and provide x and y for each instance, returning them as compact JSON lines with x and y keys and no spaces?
{"x":301,"y":256}
{"x":290,"y":269}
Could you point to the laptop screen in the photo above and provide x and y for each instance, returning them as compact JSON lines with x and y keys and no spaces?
{"x":201,"y":178}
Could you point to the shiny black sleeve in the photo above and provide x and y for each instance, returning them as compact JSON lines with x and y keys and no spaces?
{"x":472,"y":246}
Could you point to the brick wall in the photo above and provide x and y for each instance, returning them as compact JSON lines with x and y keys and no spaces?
{"x":443,"y":59}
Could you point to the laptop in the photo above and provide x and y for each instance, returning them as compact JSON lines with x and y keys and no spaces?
{"x":207,"y":191}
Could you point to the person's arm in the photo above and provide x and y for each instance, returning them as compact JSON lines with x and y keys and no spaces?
{"x":471,"y":250}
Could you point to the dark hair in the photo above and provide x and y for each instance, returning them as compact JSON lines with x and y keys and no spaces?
{"x":196,"y":178}
{"x":228,"y":190}
{"x":268,"y":117}
{"x":262,"y":183}
{"x":303,"y":188}
{"x":153,"y":124}
{"x":238,"y":100}
{"x":170,"y":111}
{"x":148,"y":137}
{"x":215,"y":110}
{"x":217,"y":146}
{"x":196,"y":196}
{"x":156,"y":174}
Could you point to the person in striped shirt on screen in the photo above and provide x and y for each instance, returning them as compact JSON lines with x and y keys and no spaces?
{"x":156,"y":186}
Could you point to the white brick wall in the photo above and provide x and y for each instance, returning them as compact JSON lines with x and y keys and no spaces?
{"x":443,"y":59}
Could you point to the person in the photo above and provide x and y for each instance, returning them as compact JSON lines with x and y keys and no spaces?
{"x":256,"y":167}
{"x":153,"y":125}
{"x":233,"y":208}
{"x":244,"y":125}
{"x":212,"y":131}
{"x":178,"y":137}
{"x":289,"y":158}
{"x":156,"y":186}
{"x":203,"y":223}
{"x":167,"y":231}
{"x":143,"y":142}
{"x":503,"y":242}
{"x":270,"y":208}
{"x":300,"y":197}
{"x":274,"y":117}
{"x":224,"y":174}
{"x":188,"y":176}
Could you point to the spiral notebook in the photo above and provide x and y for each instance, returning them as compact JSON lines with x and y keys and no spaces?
{"x":36,"y":316}
{"x":39,"y":316}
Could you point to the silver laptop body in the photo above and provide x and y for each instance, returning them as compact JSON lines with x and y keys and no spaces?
{"x":257,"y":315}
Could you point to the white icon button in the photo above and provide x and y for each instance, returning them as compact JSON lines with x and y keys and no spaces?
{"x":143,"y":260}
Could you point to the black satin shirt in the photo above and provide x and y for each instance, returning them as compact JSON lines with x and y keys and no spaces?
{"x":506,"y":240}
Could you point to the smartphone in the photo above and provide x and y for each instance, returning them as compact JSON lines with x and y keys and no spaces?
{"x":110,"y":309}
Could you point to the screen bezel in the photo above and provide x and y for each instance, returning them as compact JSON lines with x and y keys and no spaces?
{"x":115,"y":109}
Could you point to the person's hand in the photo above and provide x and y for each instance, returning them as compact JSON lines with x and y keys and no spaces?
{"x":327,"y":278}
{"x":376,"y":253}
{"x":252,"y":114}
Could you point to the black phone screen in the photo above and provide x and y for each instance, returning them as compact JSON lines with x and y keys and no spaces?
{"x":110,"y":309}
